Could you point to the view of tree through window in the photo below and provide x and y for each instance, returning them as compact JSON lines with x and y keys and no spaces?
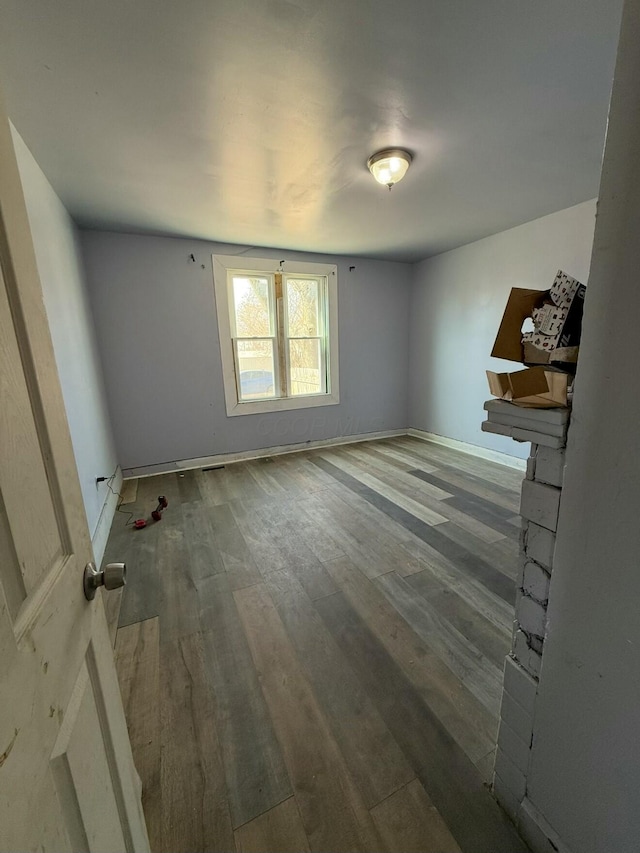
{"x":304,"y":334}
{"x":253,"y":313}
{"x":259,"y":346}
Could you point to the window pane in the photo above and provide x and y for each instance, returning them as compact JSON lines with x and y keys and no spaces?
{"x":303,"y":308}
{"x":255,"y":369}
{"x":305,"y":367}
{"x":252,"y":309}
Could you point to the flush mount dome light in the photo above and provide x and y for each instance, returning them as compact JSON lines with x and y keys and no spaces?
{"x":389,"y":166}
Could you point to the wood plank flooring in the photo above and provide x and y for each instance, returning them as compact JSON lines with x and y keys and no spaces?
{"x":310,"y":650}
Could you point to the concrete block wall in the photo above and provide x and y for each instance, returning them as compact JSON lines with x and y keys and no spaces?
{"x":539,"y":509}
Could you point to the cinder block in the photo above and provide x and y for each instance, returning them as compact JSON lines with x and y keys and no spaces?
{"x":518,"y":422}
{"x":547,"y":440}
{"x":520,"y":685}
{"x":524,"y":535}
{"x":520,"y":639}
{"x":540,"y":503}
{"x":536,"y":582}
{"x":531,"y":466}
{"x":497,"y":429}
{"x":522,"y":435}
{"x":534,"y":663}
{"x":503,"y":794}
{"x":536,"y":831}
{"x":520,"y":645}
{"x":532,"y":616}
{"x":526,"y":656}
{"x":513,"y":778}
{"x":540,"y":544}
{"x":536,"y":643}
{"x":541,"y":417}
{"x":550,"y":466}
{"x":514,"y":747}
{"x":516,"y":717}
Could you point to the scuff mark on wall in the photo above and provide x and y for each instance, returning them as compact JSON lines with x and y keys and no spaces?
{"x":7,"y":751}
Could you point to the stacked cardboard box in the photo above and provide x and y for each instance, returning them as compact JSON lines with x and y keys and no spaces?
{"x":556,"y":315}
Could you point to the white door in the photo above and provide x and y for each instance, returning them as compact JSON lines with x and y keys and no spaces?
{"x":67,"y":780}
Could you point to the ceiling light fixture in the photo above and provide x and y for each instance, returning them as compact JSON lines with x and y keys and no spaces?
{"x":389,"y":166}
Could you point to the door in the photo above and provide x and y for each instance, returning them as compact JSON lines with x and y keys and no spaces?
{"x":67,"y":780}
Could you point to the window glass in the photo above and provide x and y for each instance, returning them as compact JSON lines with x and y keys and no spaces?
{"x":253,"y":314}
{"x":303,"y":308}
{"x":305,"y":367}
{"x":255,"y":360}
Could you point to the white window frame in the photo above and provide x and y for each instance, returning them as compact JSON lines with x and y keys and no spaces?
{"x":234,"y":406}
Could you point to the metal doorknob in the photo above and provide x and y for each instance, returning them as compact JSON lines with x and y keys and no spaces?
{"x":113,"y":576}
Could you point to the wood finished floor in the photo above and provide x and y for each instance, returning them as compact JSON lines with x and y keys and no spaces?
{"x":310,"y":650}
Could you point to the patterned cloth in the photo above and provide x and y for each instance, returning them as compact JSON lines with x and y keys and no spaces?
{"x":550,"y":318}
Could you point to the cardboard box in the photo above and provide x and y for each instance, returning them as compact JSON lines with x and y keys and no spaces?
{"x":557,"y":315}
{"x":534,"y":387}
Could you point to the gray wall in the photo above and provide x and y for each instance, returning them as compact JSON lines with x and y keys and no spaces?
{"x":456,"y":306}
{"x":158,"y":336}
{"x":585,"y":764}
{"x":59,"y":261}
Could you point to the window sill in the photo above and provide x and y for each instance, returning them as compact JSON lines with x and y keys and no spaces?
{"x":286,"y":404}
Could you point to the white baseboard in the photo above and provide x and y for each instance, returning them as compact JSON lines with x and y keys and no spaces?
{"x":535,"y":830}
{"x":101,"y":532}
{"x":245,"y":455}
{"x":471,"y":449}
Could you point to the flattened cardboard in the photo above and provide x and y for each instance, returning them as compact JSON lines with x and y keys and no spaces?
{"x":534,"y":387}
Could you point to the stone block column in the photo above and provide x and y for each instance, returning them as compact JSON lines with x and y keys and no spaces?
{"x":539,"y":509}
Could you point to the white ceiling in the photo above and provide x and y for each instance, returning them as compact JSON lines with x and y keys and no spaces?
{"x":250,"y":121}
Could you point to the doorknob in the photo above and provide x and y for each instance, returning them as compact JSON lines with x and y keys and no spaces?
{"x":113,"y":576}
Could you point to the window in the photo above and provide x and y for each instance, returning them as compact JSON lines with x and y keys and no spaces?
{"x":278,"y":333}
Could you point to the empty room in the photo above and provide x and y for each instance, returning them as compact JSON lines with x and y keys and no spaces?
{"x":318,"y":426}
